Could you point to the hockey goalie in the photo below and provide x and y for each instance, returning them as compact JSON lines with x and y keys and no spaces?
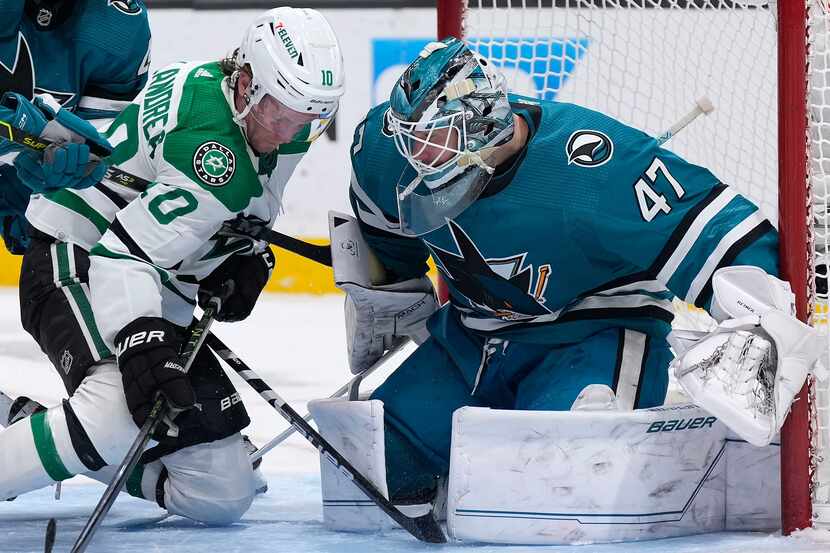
{"x":534,"y":403}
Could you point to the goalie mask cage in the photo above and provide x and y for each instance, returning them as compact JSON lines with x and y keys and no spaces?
{"x":764,"y":66}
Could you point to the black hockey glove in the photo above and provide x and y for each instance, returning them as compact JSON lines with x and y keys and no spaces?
{"x":238,"y":281}
{"x":148,"y":356}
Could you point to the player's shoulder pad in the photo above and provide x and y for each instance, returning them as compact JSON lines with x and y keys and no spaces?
{"x":120,"y":28}
{"x":206,"y":144}
{"x":376,"y":164}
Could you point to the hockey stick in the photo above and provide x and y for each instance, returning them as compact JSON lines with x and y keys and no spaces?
{"x":423,"y":527}
{"x":228,"y":355}
{"x":703,"y":105}
{"x":315,"y":252}
{"x":188,"y":354}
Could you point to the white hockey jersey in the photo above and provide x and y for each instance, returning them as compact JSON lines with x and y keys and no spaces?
{"x":149,"y":249}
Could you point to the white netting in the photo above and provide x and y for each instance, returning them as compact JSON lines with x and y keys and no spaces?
{"x":646,"y":62}
{"x":819,"y":171}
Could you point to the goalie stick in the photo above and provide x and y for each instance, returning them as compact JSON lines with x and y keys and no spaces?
{"x":348,"y":387}
{"x":424,"y":527}
{"x":321,"y":253}
{"x":703,"y":105}
{"x":187,"y":356}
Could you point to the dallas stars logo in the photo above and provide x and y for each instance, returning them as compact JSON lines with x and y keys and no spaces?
{"x":214,"y":163}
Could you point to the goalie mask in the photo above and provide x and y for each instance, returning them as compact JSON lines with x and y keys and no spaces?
{"x":297,"y":69}
{"x":447,"y":111}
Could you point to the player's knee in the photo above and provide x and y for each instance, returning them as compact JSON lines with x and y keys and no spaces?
{"x":211,"y":482}
{"x":217,"y":509}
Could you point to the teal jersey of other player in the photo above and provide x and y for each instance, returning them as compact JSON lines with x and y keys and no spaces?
{"x":94,"y":63}
{"x":591,"y":226}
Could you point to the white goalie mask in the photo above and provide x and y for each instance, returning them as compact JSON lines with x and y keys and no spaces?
{"x":296,"y":63}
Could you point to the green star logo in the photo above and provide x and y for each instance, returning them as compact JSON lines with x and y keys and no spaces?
{"x":214,"y":163}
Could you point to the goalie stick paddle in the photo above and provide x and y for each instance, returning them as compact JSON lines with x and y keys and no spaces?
{"x":315,"y":252}
{"x":188,"y":354}
{"x":424,"y":527}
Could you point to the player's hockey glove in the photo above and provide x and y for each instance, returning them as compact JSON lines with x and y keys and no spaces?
{"x":149,"y":361}
{"x":238,"y":280}
{"x":68,"y":162}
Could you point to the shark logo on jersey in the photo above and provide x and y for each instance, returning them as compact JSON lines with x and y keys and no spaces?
{"x":127,"y":7}
{"x":214,"y":163}
{"x":588,"y":148}
{"x":501,"y":286}
{"x":20,"y":77}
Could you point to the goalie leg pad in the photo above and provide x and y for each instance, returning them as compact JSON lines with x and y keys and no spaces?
{"x":532,"y":477}
{"x":355,"y":429}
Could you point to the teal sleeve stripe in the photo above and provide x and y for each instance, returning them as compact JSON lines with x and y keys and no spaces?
{"x":85,"y":308}
{"x":133,"y":485}
{"x":74,"y":202}
{"x":46,"y":450}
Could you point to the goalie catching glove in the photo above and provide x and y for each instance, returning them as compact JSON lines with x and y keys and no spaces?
{"x":750,"y":368}
{"x":375,"y":313}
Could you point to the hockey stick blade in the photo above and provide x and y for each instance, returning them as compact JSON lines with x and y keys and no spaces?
{"x":427,"y":527}
{"x":51,"y":530}
{"x":424,"y":527}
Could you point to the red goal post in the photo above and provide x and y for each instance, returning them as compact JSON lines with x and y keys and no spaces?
{"x":576,"y":34}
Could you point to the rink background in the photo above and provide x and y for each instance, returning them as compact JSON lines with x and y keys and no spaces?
{"x":296,"y":343}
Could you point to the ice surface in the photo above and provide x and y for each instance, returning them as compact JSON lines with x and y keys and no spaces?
{"x":298,"y":346}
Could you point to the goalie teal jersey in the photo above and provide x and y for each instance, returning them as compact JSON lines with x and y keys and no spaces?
{"x":591,"y":226}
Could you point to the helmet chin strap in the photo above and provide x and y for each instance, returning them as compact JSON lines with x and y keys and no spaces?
{"x":479,"y":158}
{"x":239,"y":118}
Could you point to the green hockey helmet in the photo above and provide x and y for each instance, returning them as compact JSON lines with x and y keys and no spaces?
{"x":447,"y":109}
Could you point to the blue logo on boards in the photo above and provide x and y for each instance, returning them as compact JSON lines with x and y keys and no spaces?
{"x":541,"y":66}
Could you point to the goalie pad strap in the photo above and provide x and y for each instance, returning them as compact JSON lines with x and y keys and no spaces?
{"x":631,"y":356}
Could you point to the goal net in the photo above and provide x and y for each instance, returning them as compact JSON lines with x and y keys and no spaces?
{"x":646,"y":62}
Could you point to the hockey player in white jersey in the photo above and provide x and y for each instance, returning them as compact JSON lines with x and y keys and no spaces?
{"x":113,"y":274}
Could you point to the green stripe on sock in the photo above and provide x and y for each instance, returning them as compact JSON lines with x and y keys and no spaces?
{"x":46,"y":449}
{"x":134,"y":482}
{"x":89,"y":319}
